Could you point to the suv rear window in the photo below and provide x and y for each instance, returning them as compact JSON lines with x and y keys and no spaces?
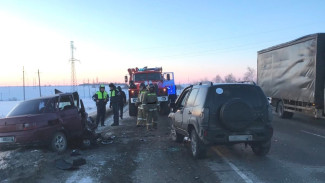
{"x":252,"y":95}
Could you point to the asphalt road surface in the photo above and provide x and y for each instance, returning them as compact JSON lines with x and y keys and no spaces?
{"x":134,"y":155}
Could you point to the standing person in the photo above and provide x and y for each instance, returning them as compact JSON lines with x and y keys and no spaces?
{"x":150,"y":102}
{"x":101,"y":99}
{"x":114,"y":96}
{"x":122,"y":101}
{"x":141,"y":115}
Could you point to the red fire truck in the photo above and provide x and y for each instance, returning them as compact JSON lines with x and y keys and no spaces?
{"x":164,"y":83}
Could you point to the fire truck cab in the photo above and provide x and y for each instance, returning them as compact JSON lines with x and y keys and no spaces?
{"x":164,"y":84}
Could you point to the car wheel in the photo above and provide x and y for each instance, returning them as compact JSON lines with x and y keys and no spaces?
{"x":59,"y":142}
{"x":176,"y":136}
{"x":197,"y":146}
{"x":261,"y":149}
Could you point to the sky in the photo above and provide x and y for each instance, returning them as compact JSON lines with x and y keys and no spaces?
{"x":194,"y":39}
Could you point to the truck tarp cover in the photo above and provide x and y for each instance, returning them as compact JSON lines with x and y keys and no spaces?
{"x":294,"y":70}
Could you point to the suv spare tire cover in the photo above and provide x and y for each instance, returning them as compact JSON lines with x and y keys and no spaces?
{"x":236,"y":115}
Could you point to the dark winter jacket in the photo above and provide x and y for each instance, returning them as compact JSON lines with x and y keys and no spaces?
{"x":122,"y":98}
{"x":114,"y":95}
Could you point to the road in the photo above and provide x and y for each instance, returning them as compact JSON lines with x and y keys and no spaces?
{"x":135,"y":155}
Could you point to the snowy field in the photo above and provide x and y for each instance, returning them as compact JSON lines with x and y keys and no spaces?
{"x":11,"y":96}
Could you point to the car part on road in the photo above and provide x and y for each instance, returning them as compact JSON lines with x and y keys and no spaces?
{"x":64,"y":165}
{"x":75,"y":152}
{"x":59,"y":142}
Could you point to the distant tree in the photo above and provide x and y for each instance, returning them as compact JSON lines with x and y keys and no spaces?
{"x":218,"y":79}
{"x":250,"y":74}
{"x":230,"y":78}
{"x":204,"y":80}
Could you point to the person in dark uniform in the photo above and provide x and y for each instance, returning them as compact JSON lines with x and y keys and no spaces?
{"x":101,"y":99}
{"x":114,"y":96}
{"x":122,"y":101}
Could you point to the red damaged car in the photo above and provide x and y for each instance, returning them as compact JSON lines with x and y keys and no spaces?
{"x":51,"y":120}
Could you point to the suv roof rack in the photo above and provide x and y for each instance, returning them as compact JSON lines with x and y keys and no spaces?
{"x":247,"y":82}
{"x":206,"y":82}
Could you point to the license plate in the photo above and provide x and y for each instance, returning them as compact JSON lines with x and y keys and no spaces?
{"x":7,"y":139}
{"x":240,"y":138}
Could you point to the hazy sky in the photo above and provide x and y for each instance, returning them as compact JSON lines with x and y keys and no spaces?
{"x":194,"y":39}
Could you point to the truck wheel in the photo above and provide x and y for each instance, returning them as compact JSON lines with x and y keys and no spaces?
{"x":132,"y":109}
{"x":281,"y":112}
{"x":197,"y":146}
{"x":262,"y":148}
{"x":176,"y":137}
{"x":59,"y":142}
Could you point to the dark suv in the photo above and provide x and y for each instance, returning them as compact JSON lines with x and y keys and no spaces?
{"x":222,"y":114}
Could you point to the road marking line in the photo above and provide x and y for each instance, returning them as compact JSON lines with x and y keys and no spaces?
{"x":321,"y":136}
{"x":240,"y":173}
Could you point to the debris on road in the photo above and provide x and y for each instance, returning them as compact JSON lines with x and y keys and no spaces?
{"x":75,"y":152}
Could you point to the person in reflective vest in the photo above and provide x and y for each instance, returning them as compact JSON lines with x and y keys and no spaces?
{"x":114,"y":97}
{"x":141,"y":121}
{"x":150,"y":106}
{"x":101,"y":99}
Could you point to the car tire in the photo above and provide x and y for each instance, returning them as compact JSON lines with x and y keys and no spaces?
{"x":176,"y":137}
{"x":59,"y":142}
{"x":280,"y":110}
{"x":197,"y":147}
{"x":262,"y":148}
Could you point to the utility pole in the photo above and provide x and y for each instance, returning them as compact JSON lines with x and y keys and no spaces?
{"x":39,"y":83}
{"x":73,"y":69}
{"x":23,"y":82}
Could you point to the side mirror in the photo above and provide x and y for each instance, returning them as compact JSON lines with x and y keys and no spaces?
{"x":126,"y":79}
{"x":168,"y":77}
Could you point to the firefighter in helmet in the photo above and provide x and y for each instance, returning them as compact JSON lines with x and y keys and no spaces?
{"x":150,"y":103}
{"x":141,"y":115}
